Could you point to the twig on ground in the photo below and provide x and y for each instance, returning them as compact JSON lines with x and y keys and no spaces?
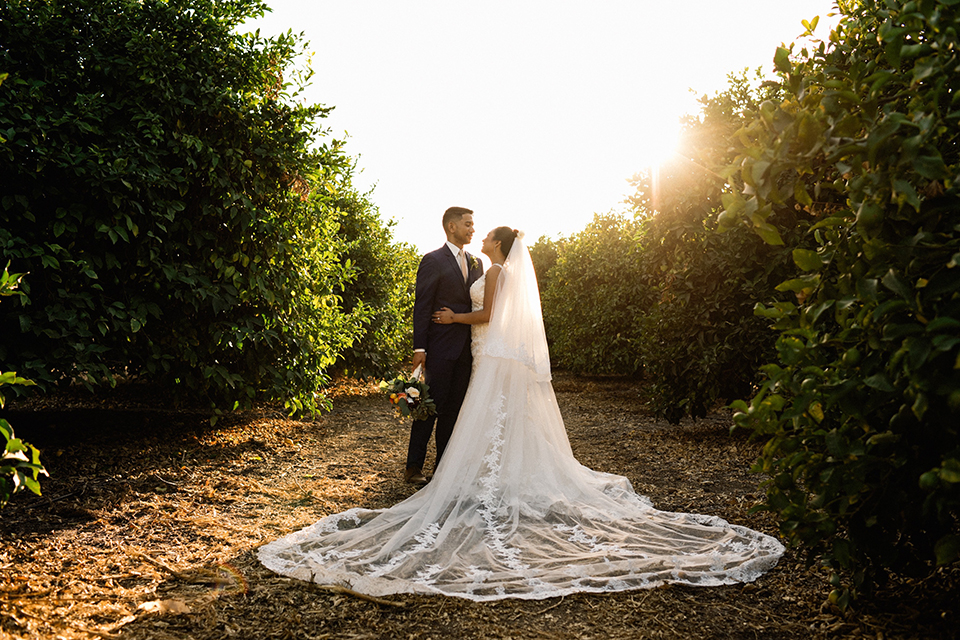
{"x":553,"y":606}
{"x":356,"y":594}
{"x":46,"y":501}
{"x":161,"y":565}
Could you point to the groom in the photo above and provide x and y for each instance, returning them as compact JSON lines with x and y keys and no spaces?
{"x":443,"y":280}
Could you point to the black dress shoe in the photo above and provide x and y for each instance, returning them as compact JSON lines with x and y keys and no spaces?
{"x":414,"y":476}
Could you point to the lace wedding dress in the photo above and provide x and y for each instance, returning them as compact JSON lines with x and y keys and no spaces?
{"x":510,"y":513}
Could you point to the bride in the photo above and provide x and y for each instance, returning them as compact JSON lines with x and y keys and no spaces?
{"x":510,"y":513}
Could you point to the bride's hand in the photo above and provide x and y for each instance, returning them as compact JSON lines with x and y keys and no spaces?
{"x":444,"y":316}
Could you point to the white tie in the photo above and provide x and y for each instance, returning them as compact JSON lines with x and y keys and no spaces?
{"x":463,"y":264}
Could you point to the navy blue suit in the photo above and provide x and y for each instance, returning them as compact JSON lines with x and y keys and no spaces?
{"x":440,"y":284}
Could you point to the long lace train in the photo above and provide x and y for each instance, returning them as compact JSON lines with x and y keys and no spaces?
{"x":510,"y":512}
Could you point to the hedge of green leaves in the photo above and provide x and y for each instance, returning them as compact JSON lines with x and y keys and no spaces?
{"x":861,"y":411}
{"x":20,"y":466}
{"x":591,"y":299}
{"x":175,"y":206}
{"x":384,"y":285}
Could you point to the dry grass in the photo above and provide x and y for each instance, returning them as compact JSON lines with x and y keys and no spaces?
{"x":148,"y":527}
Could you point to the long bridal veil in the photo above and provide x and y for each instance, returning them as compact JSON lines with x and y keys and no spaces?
{"x":510,"y":513}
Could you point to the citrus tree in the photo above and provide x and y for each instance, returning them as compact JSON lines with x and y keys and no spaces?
{"x":384,"y":285}
{"x":172,"y":200}
{"x":861,"y":408}
{"x":592,"y":297}
{"x":701,"y":343}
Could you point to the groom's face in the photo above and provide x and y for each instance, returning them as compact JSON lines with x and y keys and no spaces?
{"x":461,"y":231}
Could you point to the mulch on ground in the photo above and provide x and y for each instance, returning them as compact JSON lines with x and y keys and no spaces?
{"x":149,"y":524}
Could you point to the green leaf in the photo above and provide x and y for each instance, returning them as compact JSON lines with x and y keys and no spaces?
{"x":778,"y":310}
{"x":924,"y":68}
{"x":879,"y":382}
{"x":831,"y":221}
{"x":895,"y":282}
{"x":835,"y":443}
{"x":799,"y":284}
{"x":807,"y":260}
{"x":768,"y":233}
{"x":931,"y":167}
{"x":887,"y":307}
{"x":869,"y":217}
{"x":950,"y":471}
{"x":814,"y":313}
{"x":892,"y":50}
{"x":946,"y":281}
{"x":947,"y":549}
{"x":31,"y":483}
{"x":907,"y":192}
{"x":880,"y":80}
{"x":944,"y":324}
{"x":896,"y":332}
{"x":890,"y":30}
{"x":781,"y":59}
{"x":867,"y":288}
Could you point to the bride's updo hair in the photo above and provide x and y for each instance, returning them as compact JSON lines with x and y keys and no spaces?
{"x":505,"y":236}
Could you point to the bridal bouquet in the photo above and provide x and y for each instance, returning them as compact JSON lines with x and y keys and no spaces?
{"x":410,"y":396}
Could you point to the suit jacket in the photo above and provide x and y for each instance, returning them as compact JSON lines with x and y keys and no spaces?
{"x":440,"y":284}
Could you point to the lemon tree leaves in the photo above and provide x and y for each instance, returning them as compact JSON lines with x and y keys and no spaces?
{"x":174,"y":204}
{"x":861,"y":410}
{"x":20,"y":466}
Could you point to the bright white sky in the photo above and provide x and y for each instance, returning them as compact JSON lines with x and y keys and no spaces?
{"x":532,"y":113}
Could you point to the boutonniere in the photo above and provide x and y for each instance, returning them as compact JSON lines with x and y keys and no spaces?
{"x":474,"y":263}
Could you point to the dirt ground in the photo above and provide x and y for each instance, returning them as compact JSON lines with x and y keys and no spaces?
{"x":149,"y":523}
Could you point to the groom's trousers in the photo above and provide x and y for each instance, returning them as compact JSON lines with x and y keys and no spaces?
{"x":448,"y":380}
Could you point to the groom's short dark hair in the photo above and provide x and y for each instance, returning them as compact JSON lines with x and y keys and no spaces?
{"x":454,"y":213}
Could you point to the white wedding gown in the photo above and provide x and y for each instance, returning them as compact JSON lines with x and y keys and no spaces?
{"x":510,"y":513}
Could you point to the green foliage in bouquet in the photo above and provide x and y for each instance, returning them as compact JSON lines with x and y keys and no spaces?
{"x":410,"y":396}
{"x":20,"y":466}
{"x":861,"y":410}
{"x":172,"y":200}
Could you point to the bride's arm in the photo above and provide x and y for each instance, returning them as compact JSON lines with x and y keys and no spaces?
{"x":480,"y":316}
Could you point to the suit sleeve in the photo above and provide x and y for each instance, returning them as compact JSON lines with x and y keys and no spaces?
{"x":428,"y":280}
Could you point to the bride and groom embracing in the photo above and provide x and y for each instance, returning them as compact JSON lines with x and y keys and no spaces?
{"x":509,"y":512}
